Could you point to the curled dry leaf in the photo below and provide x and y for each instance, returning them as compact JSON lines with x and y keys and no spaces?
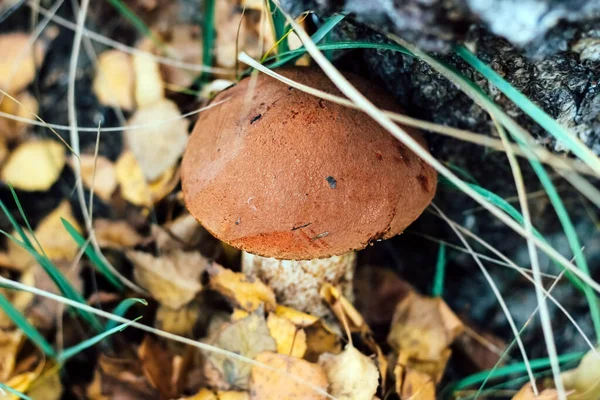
{"x":134,"y":187}
{"x":266,"y":384}
{"x":100,"y":172}
{"x":56,"y":242}
{"x":422,"y":330}
{"x":26,"y":106}
{"x":414,"y":384}
{"x":291,"y":340}
{"x":157,"y":147}
{"x":115,"y":79}
{"x":35,"y":165}
{"x":584,"y":381}
{"x":173,"y":279}
{"x":320,"y":340}
{"x":526,"y":393}
{"x":351,"y":374}
{"x":298,"y":318}
{"x":10,"y":342}
{"x":243,"y":291}
{"x":247,"y":337}
{"x":149,"y":86}
{"x":19,"y":61}
{"x":115,"y":234}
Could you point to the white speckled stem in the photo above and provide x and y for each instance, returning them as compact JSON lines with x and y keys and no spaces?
{"x":297,"y":283}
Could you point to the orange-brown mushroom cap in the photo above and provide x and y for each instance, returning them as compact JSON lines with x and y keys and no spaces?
{"x":280,"y":173}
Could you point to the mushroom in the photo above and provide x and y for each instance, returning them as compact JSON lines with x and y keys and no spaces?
{"x":299,"y":183}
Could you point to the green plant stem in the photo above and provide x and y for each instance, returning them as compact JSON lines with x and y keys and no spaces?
{"x":440,"y":272}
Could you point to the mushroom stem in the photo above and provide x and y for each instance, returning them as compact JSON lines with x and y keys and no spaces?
{"x":297,"y":283}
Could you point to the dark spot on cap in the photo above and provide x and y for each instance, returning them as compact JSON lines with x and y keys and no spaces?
{"x":321,"y":103}
{"x":424,"y":182}
{"x":332,"y":182}
{"x":256,"y":118}
{"x":237,"y":221}
{"x":378,"y":156}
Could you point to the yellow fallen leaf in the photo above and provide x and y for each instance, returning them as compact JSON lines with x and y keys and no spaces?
{"x":47,"y":386}
{"x":203,"y":394}
{"x":298,"y":318}
{"x":149,"y":86}
{"x":179,"y":322}
{"x":21,"y":383}
{"x":34,"y":165}
{"x":421,"y":332}
{"x":291,"y":340}
{"x":116,"y":234}
{"x":243,"y":291}
{"x":158,"y":146}
{"x":233,"y":395}
{"x":268,"y":385}
{"x":414,"y":384}
{"x":115,"y":79}
{"x":173,"y":279}
{"x":134,"y":187}
{"x":320,"y":340}
{"x":26,"y":106}
{"x":3,"y":149}
{"x":238,"y":314}
{"x":351,"y":374}
{"x":56,"y":242}
{"x":247,"y":337}
{"x":101,"y":172}
{"x":19,"y":61}
{"x":526,"y":393}
{"x":10,"y":342}
{"x":584,"y":381}
{"x":19,"y":299}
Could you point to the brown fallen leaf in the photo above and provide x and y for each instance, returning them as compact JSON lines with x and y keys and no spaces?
{"x":21,"y":300}
{"x":266,"y":384}
{"x":115,"y":79}
{"x":56,"y":242}
{"x":351,"y":374}
{"x":149,"y":86}
{"x":10,"y":342}
{"x":124,"y":378}
{"x":184,"y":43}
{"x":243,"y":291}
{"x":320,"y":340}
{"x":101,"y":172}
{"x":157,"y":365}
{"x":246,"y":337}
{"x":26,"y":107}
{"x":19,"y":61}
{"x":34,"y":165}
{"x":115,"y":234}
{"x":157,"y":145}
{"x":173,"y":279}
{"x":134,"y":187}
{"x":291,"y":340}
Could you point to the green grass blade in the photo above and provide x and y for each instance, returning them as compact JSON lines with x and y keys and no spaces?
{"x":279,"y":22}
{"x":316,"y":37}
{"x":13,"y":391}
{"x":122,"y":308}
{"x":71,"y":351}
{"x":92,"y":256}
{"x":61,"y":282}
{"x":136,"y":21}
{"x":513,"y":369}
{"x":208,"y":34}
{"x":28,"y":329}
{"x":440,"y":272}
{"x":528,"y":107}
